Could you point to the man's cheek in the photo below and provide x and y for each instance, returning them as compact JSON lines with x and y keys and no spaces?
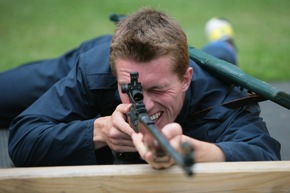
{"x":124,"y":98}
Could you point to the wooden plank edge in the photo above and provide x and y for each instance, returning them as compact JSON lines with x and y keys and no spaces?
{"x":261,"y":177}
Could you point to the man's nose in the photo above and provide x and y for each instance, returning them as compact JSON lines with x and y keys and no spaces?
{"x":147,"y":100}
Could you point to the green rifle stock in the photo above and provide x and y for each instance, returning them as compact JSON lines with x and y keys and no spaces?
{"x":234,"y":75}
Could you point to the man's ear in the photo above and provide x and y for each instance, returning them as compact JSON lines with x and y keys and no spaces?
{"x":187,"y":78}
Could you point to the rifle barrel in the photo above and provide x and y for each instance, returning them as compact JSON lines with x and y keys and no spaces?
{"x":164,"y":143}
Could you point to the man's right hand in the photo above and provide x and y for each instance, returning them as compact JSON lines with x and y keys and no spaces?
{"x":114,"y":131}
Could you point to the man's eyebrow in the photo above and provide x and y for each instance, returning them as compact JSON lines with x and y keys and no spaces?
{"x":158,"y":87}
{"x":154,"y":87}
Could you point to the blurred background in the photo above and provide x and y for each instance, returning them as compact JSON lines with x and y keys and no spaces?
{"x":40,"y":29}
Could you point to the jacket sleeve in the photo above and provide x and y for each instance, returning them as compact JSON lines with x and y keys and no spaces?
{"x":240,"y":133}
{"x":245,"y":137}
{"x":58,"y":128}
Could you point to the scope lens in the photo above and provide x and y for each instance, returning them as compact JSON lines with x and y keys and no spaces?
{"x":137,"y":95}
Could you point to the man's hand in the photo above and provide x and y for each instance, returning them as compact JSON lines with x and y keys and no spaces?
{"x":202,"y":151}
{"x":149,"y":149}
{"x":114,"y":131}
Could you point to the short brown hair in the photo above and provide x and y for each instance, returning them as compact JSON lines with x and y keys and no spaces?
{"x":146,"y":35}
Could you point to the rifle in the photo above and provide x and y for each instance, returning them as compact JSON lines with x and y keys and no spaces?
{"x":138,"y":115}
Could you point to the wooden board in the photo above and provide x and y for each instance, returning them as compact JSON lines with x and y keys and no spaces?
{"x":209,"y":177}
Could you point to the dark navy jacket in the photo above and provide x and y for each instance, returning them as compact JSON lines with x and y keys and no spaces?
{"x":57,"y":129}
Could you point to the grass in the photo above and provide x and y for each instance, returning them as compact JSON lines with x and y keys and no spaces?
{"x":38,"y":29}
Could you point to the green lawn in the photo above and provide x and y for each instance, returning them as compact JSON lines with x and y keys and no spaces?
{"x":38,"y":29}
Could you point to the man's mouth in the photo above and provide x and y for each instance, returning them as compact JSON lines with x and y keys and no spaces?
{"x":156,"y":116}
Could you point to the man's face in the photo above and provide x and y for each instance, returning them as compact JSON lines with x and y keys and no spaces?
{"x":162,"y":89}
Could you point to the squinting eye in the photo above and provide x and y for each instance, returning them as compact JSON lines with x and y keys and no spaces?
{"x":157,"y":92}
